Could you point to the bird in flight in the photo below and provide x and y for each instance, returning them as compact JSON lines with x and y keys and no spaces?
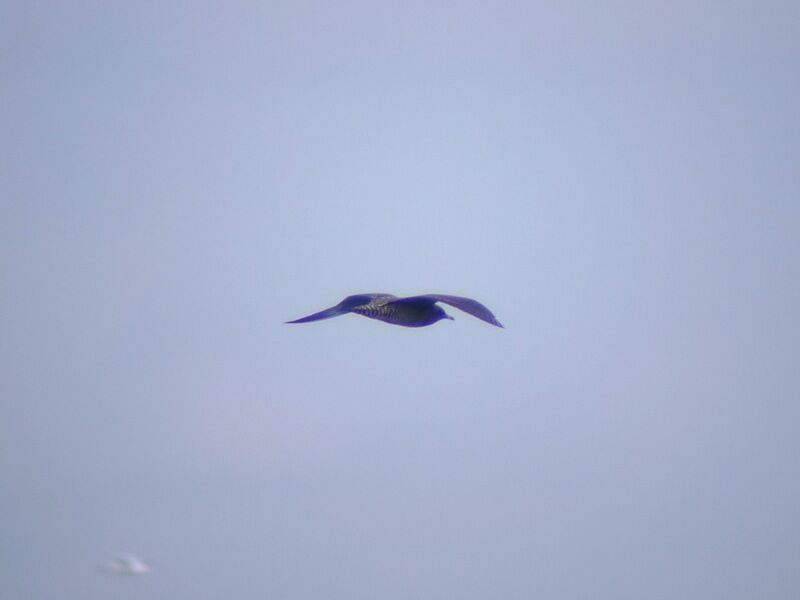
{"x":413,"y":311}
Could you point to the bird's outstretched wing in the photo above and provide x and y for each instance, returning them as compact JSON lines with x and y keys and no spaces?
{"x":333,"y":311}
{"x":344,"y":307}
{"x":468,"y":305}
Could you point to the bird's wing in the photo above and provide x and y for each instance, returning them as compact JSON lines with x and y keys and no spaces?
{"x":344,"y":307}
{"x":468,"y":305}
{"x":333,"y":311}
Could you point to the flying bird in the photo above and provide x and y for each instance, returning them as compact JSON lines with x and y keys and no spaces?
{"x":413,"y":311}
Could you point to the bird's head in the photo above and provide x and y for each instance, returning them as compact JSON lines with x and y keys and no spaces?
{"x":440,"y":314}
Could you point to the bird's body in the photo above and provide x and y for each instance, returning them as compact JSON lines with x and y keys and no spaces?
{"x":386,"y":308}
{"x":413,"y":311}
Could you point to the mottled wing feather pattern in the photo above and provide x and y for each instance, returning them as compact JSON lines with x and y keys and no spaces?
{"x":379,"y":307}
{"x":390,"y":310}
{"x":365,"y":300}
{"x":357,"y":303}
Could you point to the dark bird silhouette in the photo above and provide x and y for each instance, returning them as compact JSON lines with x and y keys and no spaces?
{"x":413,"y":311}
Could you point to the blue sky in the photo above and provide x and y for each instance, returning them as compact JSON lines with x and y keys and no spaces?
{"x":616,"y":181}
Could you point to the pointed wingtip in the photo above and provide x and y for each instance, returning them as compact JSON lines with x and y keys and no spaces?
{"x":333,"y":311}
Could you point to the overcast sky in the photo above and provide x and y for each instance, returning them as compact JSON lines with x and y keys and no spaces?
{"x":617,"y":181}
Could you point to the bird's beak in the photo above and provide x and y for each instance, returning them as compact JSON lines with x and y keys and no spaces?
{"x":449,"y":318}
